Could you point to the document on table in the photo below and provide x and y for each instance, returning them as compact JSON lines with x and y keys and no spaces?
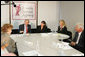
{"x":29,"y":43}
{"x":32,"y":53}
{"x":78,"y":55}
{"x":44,"y":35}
{"x":63,"y":45}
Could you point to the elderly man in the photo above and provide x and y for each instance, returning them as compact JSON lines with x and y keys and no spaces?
{"x":78,"y":41}
{"x":26,"y":27}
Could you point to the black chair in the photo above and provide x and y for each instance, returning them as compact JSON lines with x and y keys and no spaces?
{"x":33,"y":30}
{"x":69,"y":33}
{"x":48,"y":30}
{"x":15,"y":31}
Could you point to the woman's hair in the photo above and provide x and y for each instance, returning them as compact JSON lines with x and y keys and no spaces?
{"x":5,"y":27}
{"x":43,"y":22}
{"x":63,"y":22}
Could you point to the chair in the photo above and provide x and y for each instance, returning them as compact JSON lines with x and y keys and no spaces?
{"x":15,"y":31}
{"x":33,"y":30}
{"x":48,"y":30}
{"x":70,"y":38}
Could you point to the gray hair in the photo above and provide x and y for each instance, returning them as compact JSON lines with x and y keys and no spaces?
{"x":27,"y":20}
{"x":80,"y":25}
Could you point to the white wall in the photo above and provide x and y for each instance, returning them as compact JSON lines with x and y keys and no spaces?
{"x":4,"y":14}
{"x":49,"y":12}
{"x":72,"y":12}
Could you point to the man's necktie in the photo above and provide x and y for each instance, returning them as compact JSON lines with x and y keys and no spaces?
{"x":26,"y":29}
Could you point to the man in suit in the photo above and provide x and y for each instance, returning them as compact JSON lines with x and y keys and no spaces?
{"x":26,"y":27}
{"x":78,"y":41}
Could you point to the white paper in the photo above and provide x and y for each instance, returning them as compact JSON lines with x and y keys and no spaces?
{"x":78,"y":55}
{"x":64,"y":46}
{"x":44,"y":34}
{"x":32,"y":53}
{"x":4,"y":51}
{"x":29,"y":43}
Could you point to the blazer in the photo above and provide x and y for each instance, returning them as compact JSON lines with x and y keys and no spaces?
{"x":81,"y":40}
{"x":44,"y":30}
{"x":21,"y":28}
{"x":63,"y":31}
{"x":5,"y":38}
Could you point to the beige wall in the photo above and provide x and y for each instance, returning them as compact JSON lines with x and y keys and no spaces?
{"x":4,"y":14}
{"x":72,"y":12}
{"x":49,"y":11}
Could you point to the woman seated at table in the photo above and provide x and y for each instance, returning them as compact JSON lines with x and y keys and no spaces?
{"x":62,"y":28}
{"x":5,"y":37}
{"x":4,"y":51}
{"x":42,"y":28}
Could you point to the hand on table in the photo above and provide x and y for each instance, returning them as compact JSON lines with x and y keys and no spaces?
{"x":21,"y":31}
{"x":73,"y":43}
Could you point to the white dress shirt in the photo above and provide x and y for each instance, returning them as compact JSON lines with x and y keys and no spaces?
{"x":24,"y":29}
{"x":79,"y":34}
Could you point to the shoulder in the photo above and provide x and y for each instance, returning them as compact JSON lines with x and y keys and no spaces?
{"x":21,"y":25}
{"x":29,"y":25}
{"x":39,"y":26}
{"x":65,"y":27}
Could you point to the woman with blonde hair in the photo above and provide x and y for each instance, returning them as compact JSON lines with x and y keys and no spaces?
{"x":62,"y":28}
{"x":6,"y":41}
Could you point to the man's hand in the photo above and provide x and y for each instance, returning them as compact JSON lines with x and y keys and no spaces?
{"x":21,"y":31}
{"x":73,"y":43}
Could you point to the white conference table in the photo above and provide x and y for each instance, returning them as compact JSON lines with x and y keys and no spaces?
{"x":43,"y":44}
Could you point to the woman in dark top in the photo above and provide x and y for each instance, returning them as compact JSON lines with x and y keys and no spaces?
{"x":42,"y":28}
{"x":62,"y":28}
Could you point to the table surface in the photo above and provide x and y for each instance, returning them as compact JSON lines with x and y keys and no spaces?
{"x":43,"y":43}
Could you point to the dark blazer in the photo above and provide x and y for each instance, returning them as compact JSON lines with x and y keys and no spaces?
{"x":63,"y":31}
{"x":21,"y":28}
{"x":44,"y":30}
{"x":81,"y":40}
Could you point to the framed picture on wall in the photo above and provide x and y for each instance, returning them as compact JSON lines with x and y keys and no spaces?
{"x":24,"y":10}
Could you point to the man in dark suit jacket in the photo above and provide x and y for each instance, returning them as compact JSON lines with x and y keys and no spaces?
{"x":78,"y":41}
{"x":25,"y":28}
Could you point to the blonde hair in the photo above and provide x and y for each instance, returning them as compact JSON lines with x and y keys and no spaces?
{"x":5,"y":27}
{"x":63,"y":22}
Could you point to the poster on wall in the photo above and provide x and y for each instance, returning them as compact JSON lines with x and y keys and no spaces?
{"x":24,"y":10}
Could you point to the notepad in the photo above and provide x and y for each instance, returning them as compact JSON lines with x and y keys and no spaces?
{"x":29,"y":43}
{"x":78,"y":55}
{"x":32,"y":53}
{"x":64,"y":46}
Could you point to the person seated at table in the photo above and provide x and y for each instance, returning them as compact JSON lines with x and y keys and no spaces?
{"x":26,"y":27}
{"x":78,"y":41}
{"x":4,"y":51}
{"x":42,"y":28}
{"x":5,"y":38}
{"x":62,"y":28}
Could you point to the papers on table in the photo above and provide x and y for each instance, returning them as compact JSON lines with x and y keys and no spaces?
{"x":44,"y":35}
{"x":4,"y":51}
{"x":64,"y":46}
{"x":32,"y":53}
{"x":29,"y":43}
{"x":78,"y":55}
